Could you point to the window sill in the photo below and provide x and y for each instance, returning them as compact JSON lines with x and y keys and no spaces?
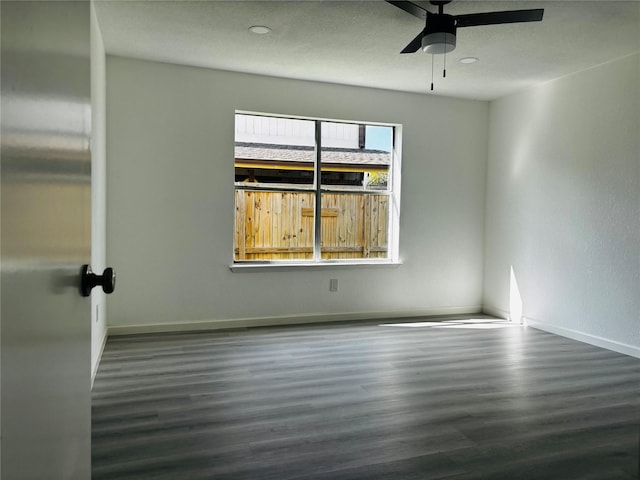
{"x":297,"y":266}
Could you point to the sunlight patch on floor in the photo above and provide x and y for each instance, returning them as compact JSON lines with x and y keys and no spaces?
{"x":470,"y":323}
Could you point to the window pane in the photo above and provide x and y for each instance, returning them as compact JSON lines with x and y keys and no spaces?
{"x":355,"y":157}
{"x":274,"y":225}
{"x":278,"y":180}
{"x":272,"y":152}
{"x":354,"y":225}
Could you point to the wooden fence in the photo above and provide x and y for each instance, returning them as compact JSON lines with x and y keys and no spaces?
{"x":279,"y":225}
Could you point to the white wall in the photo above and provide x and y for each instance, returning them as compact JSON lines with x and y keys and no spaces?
{"x":98,"y":188}
{"x":170,"y":200}
{"x":563,"y":205}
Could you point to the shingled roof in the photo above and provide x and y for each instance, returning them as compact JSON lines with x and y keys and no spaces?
{"x":300,"y":153}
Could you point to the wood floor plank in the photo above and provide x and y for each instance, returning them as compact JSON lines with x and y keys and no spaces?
{"x":458,"y":399}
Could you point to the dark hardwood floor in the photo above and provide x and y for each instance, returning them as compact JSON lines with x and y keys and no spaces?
{"x":456,"y":400}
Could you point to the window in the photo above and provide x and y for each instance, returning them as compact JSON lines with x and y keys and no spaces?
{"x":297,"y":203}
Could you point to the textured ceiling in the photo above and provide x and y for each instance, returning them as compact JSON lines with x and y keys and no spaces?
{"x":359,"y":42}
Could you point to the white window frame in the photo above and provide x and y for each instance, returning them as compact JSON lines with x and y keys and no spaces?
{"x":393,"y":192}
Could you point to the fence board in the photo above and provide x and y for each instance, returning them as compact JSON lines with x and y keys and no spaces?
{"x":240,"y":238}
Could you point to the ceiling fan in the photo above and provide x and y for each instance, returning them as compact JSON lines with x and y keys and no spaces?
{"x":439,"y":33}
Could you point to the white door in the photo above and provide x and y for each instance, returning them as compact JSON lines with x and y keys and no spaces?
{"x":46,"y":238}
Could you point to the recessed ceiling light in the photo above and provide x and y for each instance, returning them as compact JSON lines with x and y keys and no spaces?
{"x":469,"y":60}
{"x":259,"y":29}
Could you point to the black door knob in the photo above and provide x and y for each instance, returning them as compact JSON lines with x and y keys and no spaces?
{"x":89,"y":280}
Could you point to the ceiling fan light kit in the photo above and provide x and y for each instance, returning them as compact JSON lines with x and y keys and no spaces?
{"x":439,"y":34}
{"x":437,"y":43}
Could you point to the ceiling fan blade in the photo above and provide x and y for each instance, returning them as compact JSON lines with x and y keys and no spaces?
{"x":411,"y":8}
{"x":494,"y":18}
{"x":414,"y":45}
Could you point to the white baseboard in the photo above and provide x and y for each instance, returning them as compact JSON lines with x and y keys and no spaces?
{"x":586,"y":338}
{"x":286,"y":320}
{"x":495,"y":312}
{"x":95,"y":368}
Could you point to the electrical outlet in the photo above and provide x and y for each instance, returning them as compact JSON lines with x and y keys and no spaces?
{"x":333,"y":285}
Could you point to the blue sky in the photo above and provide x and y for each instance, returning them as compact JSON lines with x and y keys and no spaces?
{"x":379,"y":138}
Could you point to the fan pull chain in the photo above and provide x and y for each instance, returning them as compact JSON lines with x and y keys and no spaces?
{"x":444,"y":62}
{"x":432,"y":73}
{"x":444,"y":66}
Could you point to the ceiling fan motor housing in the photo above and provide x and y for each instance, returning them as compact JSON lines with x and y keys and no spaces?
{"x":439,"y":34}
